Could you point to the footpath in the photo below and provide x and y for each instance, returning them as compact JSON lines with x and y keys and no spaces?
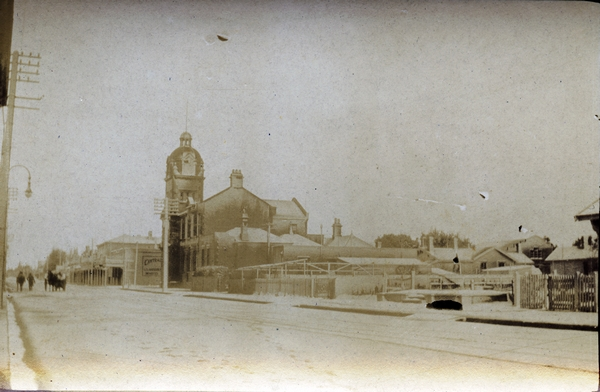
{"x":500,"y":313}
{"x":4,"y":350}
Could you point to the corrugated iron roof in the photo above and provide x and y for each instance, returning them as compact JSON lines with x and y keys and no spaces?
{"x":133,"y":239}
{"x":349,"y":241}
{"x":464,"y":254}
{"x":297,"y":239}
{"x":563,"y":253}
{"x":380,"y":261}
{"x":255,"y":235}
{"x":518,"y":258}
{"x":286,"y":208}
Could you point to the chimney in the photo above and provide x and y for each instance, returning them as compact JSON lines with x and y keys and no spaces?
{"x":431,"y":245}
{"x":244,"y":228}
{"x":236,"y":179}
{"x":150,"y":234}
{"x":337,"y":228}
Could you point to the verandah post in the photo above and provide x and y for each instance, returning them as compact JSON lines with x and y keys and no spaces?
{"x":517,"y":290}
{"x":596,"y":289}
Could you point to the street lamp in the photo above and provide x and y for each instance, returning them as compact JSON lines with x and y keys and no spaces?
{"x":28,"y":191}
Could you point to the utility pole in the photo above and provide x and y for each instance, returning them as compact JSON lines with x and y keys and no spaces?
{"x":268,"y":242}
{"x":165,"y":280}
{"x":18,"y":68}
{"x":135,"y":265}
{"x":166,"y":207}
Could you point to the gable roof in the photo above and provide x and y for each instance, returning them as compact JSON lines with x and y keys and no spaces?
{"x":564,"y":253}
{"x":517,"y":258}
{"x":588,"y":213}
{"x":287,"y":208}
{"x":133,"y":239}
{"x":450,"y":253}
{"x":254,"y":235}
{"x":349,"y":241}
{"x":507,"y":243}
{"x":232,"y":189}
{"x":297,"y":239}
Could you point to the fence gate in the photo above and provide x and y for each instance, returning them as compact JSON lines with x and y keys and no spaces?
{"x":572,"y":293}
{"x":324,"y":288}
{"x":562,"y":292}
{"x":586,"y":296}
{"x":533,"y":292}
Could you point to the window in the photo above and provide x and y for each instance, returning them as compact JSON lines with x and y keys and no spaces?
{"x":501,"y":264}
{"x":483,"y":266}
{"x":535,"y":253}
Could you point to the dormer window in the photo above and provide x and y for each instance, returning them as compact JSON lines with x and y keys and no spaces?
{"x":535,"y":253}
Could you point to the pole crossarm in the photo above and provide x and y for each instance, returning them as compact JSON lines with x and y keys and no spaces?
{"x":34,"y":99}
{"x":28,"y":56}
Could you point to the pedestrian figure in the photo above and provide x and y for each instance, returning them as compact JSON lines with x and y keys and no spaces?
{"x":20,"y":281}
{"x":30,"y":280}
{"x":46,"y":281}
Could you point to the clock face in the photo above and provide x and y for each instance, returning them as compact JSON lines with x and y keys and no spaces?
{"x":188,"y":164}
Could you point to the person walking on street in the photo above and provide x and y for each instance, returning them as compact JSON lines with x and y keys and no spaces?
{"x":30,"y":280}
{"x":20,"y":281}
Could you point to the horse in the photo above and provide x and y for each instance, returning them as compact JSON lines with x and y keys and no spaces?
{"x":55,"y":281}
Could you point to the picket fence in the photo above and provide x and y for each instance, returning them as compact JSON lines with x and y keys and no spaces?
{"x":574,"y":293}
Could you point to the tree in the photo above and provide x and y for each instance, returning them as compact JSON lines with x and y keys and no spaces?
{"x":56,"y":257}
{"x":397,"y":241}
{"x":444,"y":240}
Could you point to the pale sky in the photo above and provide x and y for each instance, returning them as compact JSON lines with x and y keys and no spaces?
{"x":354,"y":108}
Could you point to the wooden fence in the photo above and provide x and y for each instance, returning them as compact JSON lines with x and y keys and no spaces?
{"x":209,"y":283}
{"x":306,"y":286}
{"x":573,"y":293}
{"x":534,"y":291}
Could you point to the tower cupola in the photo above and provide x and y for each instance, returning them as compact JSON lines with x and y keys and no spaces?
{"x":185,"y":172}
{"x":185,"y":140}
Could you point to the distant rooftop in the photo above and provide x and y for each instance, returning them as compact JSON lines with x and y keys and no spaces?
{"x":255,"y":235}
{"x":563,"y":253}
{"x":380,"y":261}
{"x":133,"y":239}
{"x":349,"y":241}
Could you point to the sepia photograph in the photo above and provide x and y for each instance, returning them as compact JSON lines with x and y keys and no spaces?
{"x":299,"y":195}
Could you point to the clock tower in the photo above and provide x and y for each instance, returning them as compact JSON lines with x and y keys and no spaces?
{"x":185,"y":173}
